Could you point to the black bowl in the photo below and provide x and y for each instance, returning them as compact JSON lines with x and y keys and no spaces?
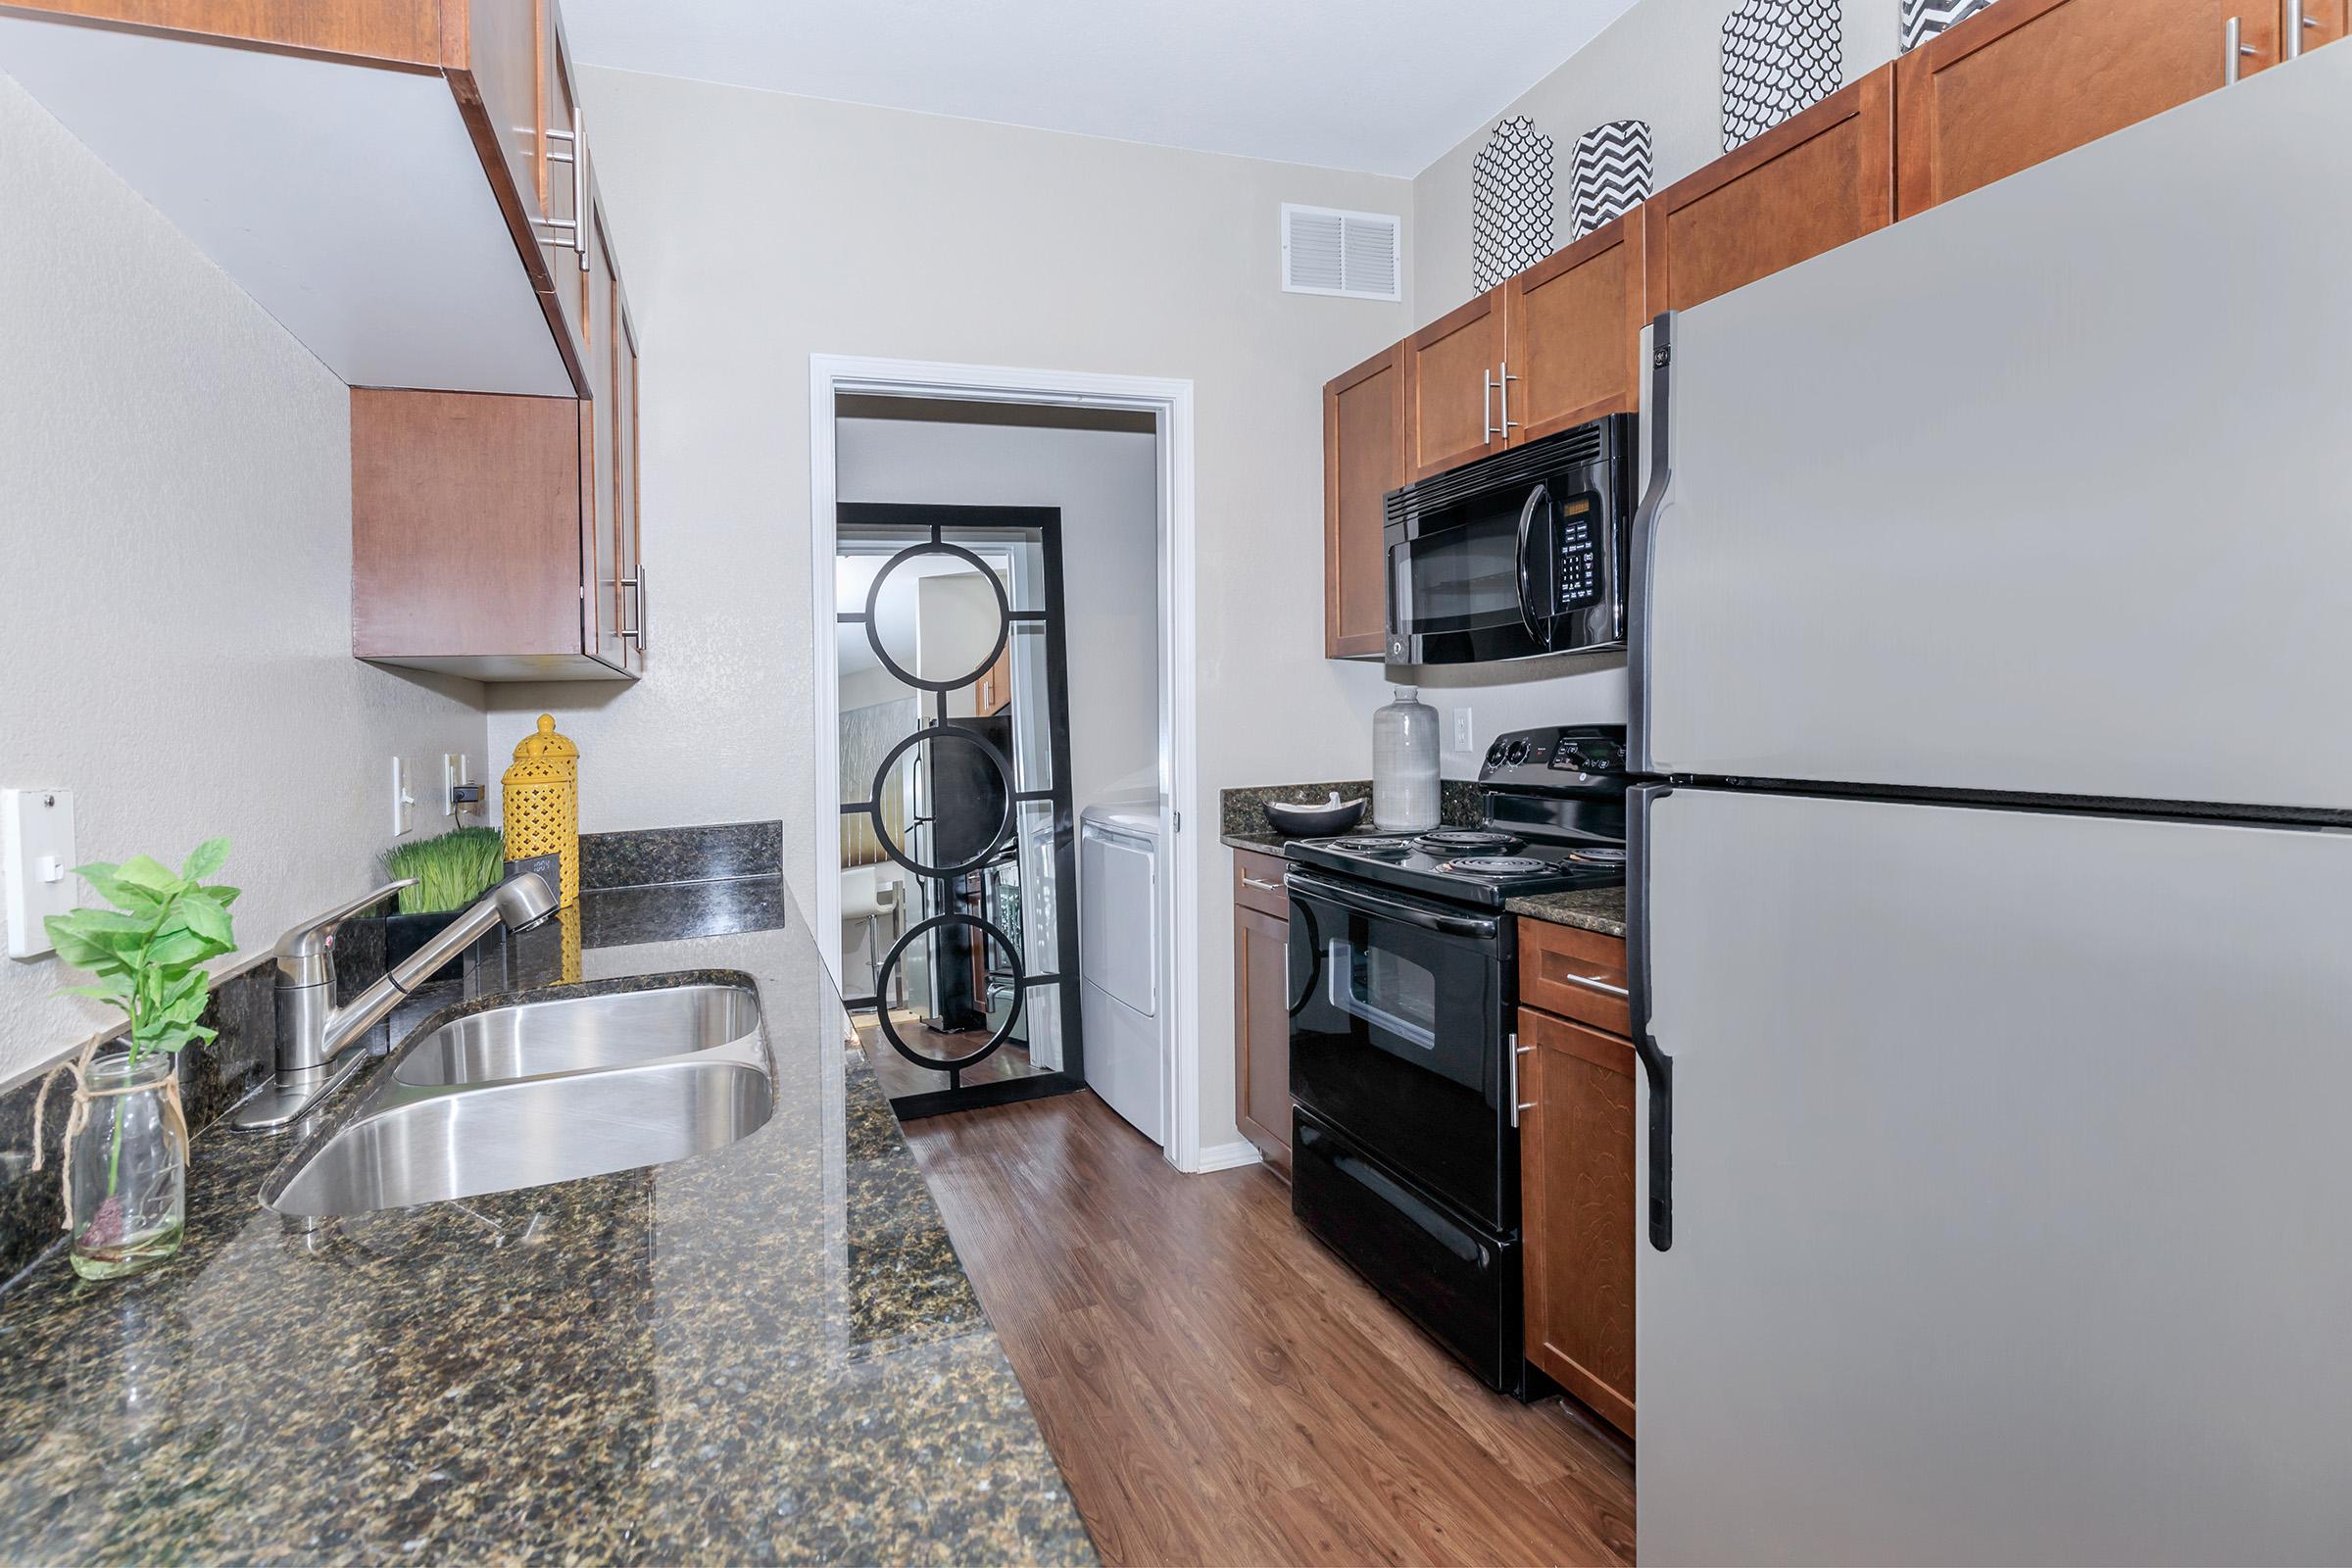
{"x":1320,"y":820}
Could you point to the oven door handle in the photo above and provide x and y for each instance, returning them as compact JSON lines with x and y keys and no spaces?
{"x":1541,"y":634}
{"x":1372,"y":904}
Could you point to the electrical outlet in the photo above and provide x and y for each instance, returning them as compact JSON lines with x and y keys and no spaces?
{"x":37,"y":840}
{"x":403,"y":801}
{"x":1465,"y":739}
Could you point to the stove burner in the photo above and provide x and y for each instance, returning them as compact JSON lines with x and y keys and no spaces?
{"x":1371,"y":846}
{"x":1599,"y":857}
{"x":1467,"y":838}
{"x":1499,"y":866}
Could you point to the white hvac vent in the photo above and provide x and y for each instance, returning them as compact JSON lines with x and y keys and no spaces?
{"x":1329,"y":252}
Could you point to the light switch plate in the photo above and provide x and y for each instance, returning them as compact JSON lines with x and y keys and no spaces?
{"x":36,"y":845}
{"x":403,"y":801}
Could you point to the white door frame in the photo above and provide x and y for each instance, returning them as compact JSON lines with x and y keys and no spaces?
{"x":1170,"y":403}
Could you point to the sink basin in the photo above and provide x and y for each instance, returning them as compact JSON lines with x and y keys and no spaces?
{"x":540,"y":1091}
{"x":524,"y":1039}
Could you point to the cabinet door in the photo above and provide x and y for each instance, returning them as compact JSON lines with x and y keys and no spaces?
{"x":599,"y":506}
{"x":2321,"y":21}
{"x":1363,"y":460}
{"x":628,"y":541}
{"x":1262,"y":1033}
{"x":1808,"y":185}
{"x":1575,"y":1195}
{"x":1573,"y":332}
{"x":567,"y":178}
{"x":504,"y":42}
{"x":2028,"y":79}
{"x":1449,"y":394}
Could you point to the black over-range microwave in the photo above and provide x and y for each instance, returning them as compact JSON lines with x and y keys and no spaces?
{"x":1515,"y":555}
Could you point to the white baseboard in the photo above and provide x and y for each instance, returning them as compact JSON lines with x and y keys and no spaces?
{"x":1227,"y":1157}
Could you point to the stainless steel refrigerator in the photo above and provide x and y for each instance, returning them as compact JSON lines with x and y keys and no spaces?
{"x":1992,"y":893}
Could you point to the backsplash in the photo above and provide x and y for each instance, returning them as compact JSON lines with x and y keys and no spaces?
{"x":651,"y":856}
{"x":1243,"y":811}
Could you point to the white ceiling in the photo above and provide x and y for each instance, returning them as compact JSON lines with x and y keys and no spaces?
{"x":1383,"y":87}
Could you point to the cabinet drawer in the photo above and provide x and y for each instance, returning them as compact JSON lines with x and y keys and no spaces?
{"x":1258,"y":883}
{"x":1575,"y":973}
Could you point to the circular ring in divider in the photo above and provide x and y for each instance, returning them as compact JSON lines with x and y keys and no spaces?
{"x":873,"y":618}
{"x":890,"y":960}
{"x":995,"y":839}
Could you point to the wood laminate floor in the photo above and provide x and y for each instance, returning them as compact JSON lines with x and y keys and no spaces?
{"x":1219,"y":1388}
{"x":902,"y":1077}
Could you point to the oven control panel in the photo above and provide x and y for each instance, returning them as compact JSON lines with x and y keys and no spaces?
{"x":1587,"y":756}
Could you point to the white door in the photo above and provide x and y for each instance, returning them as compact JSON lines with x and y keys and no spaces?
{"x":2043,"y":490}
{"x":2012,"y":1209}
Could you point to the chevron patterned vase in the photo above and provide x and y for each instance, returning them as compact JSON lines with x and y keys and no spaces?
{"x":1925,"y":19}
{"x":1611,"y":174}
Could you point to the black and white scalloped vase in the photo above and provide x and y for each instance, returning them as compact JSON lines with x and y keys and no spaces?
{"x":1510,"y":202}
{"x":1779,"y":56}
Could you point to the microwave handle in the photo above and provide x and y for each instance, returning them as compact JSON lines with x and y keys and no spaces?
{"x":1540,"y":631}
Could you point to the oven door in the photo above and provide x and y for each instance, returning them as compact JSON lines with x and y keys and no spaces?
{"x":1396,"y":1038}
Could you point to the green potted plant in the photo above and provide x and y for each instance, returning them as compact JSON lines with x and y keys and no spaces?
{"x":126,"y":1136}
{"x":452,"y":870}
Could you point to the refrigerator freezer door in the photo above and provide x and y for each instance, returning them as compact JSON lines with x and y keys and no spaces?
{"x":2041,"y":491}
{"x":2012,"y":1211}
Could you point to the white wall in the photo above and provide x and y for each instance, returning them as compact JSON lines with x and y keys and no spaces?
{"x":757,"y":228}
{"x":176,"y":519}
{"x":1107,"y":484}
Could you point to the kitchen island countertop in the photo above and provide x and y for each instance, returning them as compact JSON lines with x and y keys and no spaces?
{"x":769,"y":1352}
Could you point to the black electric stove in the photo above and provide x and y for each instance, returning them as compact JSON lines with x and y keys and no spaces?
{"x":1552,"y":807}
{"x":1404,"y":1094}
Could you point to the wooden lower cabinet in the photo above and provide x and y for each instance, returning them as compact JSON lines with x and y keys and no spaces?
{"x":1261,"y":1013}
{"x":2025,"y":80}
{"x":1576,"y":1198}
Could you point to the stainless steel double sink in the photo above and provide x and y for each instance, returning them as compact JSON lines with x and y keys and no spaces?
{"x":532,"y":1092}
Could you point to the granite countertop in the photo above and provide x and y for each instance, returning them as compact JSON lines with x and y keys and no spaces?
{"x":768,"y":1352}
{"x":1269,"y":843}
{"x":1600,"y":909}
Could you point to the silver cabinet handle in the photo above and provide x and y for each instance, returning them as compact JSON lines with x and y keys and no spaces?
{"x":1508,"y":424}
{"x":2233,"y":49}
{"x":636,"y":587}
{"x":1261,"y":884}
{"x":2290,"y":38}
{"x":1486,"y":406}
{"x":1515,"y":1051}
{"x":575,"y":153}
{"x":1586,"y":982}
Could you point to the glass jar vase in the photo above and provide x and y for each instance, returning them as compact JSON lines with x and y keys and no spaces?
{"x":126,"y":1153}
{"x":1404,"y":764}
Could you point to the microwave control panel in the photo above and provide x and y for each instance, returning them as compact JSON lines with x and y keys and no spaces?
{"x":1577,"y":568}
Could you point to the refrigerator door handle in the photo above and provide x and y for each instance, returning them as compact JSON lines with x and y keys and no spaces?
{"x":1657,"y":424}
{"x":1656,"y":1065}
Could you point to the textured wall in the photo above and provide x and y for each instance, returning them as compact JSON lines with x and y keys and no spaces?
{"x":175,"y":516}
{"x":758,"y":228}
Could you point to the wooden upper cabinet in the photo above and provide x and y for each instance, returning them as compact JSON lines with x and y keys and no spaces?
{"x":2325,"y":21}
{"x":366,"y":235}
{"x":2028,"y":79}
{"x":1451,"y":392}
{"x":1576,"y":1200}
{"x":1572,"y":332}
{"x":1823,"y":177}
{"x":1363,"y":460}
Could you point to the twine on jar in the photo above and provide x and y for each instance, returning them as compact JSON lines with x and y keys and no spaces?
{"x":174,"y":1117}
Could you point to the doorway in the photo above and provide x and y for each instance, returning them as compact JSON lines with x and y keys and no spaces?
{"x":958,"y":904}
{"x":1169,"y":402}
